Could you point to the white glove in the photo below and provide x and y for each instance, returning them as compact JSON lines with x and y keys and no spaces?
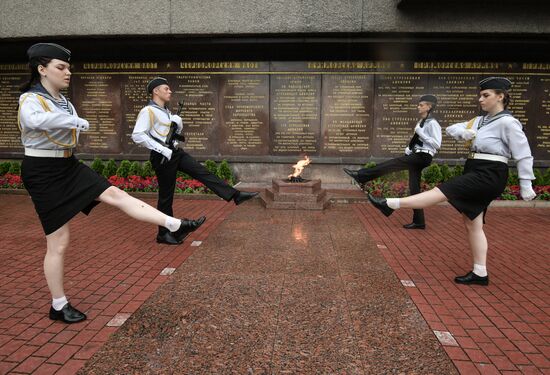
{"x":177,"y":120}
{"x":526,"y":190}
{"x":408,"y":151}
{"x":167,"y":153}
{"x":82,"y":124}
{"x":468,"y":134}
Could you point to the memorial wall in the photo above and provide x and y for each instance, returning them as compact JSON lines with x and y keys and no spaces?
{"x":335,"y":111}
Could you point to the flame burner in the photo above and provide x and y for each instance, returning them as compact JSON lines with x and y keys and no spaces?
{"x":297,"y":179}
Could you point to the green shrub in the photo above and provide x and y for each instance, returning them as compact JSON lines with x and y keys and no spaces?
{"x":4,"y":167}
{"x":135,"y":169}
{"x":98,"y":165}
{"x":183,"y":175}
{"x":539,"y":178}
{"x":432,"y":174}
{"x":508,"y":196}
{"x":147,"y":170}
{"x":396,"y":176}
{"x":15,"y":168}
{"x":547,"y":177}
{"x":110,"y":169}
{"x":225,"y":173}
{"x":446,"y":173}
{"x":211,"y":166}
{"x":458,"y":170}
{"x":123,"y":168}
{"x":513,"y":178}
{"x":370,"y":164}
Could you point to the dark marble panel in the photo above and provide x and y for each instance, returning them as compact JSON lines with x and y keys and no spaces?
{"x":11,"y":77}
{"x":200,"y":115}
{"x":347,"y":115}
{"x":537,"y":128}
{"x":261,"y":111}
{"x":395,"y":113}
{"x":457,"y":101}
{"x":295,"y":114}
{"x":244,"y":115}
{"x":97,"y":98}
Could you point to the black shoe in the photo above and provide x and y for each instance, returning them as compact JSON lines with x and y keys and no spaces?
{"x":472,"y":278}
{"x":242,"y":196}
{"x":381,"y":204}
{"x":168,"y":239}
{"x":188,"y":226}
{"x":353,"y":174}
{"x":414,"y":226}
{"x":67,"y":314}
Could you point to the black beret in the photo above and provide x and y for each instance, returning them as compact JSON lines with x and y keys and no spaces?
{"x":428,"y":98}
{"x":52,"y":50}
{"x":155,"y":82}
{"x":495,"y":83}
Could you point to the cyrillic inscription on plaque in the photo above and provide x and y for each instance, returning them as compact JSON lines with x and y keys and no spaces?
{"x":255,"y":111}
{"x":540,"y":129}
{"x":295,"y":114}
{"x":347,"y":118}
{"x":244,"y":118}
{"x":200,"y":111}
{"x":97,"y":99}
{"x":11,"y":77}
{"x":456,"y":102}
{"x":520,"y":98}
{"x":396,"y":112}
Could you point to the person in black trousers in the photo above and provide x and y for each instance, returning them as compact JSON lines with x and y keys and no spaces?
{"x":152,"y":127}
{"x":418,"y":155}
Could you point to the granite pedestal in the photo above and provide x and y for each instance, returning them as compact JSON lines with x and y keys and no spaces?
{"x":285,"y":195}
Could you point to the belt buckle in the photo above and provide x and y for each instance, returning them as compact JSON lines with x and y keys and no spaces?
{"x":471,"y":155}
{"x":67,"y":153}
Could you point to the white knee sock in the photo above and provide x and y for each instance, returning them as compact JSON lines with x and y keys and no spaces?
{"x":172,"y":224}
{"x":58,"y":303}
{"x":393,"y":203}
{"x":480,"y":270}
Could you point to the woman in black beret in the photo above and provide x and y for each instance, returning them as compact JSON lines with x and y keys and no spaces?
{"x":59,"y":185}
{"x":492,"y":140}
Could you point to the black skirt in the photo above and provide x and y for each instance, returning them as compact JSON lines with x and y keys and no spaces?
{"x":60,"y":188}
{"x":482,"y":182}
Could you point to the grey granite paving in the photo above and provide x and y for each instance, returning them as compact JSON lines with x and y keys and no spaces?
{"x":278,"y":292}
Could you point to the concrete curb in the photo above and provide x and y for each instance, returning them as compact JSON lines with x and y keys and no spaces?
{"x":334,"y":198}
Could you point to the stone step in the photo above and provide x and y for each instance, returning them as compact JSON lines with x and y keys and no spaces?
{"x":309,"y":187}
{"x":295,"y":197}
{"x":267,"y":203}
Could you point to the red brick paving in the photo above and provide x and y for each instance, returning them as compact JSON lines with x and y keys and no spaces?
{"x":501,"y":329}
{"x":112,"y":266}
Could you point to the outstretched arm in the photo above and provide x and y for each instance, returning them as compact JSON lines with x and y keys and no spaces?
{"x":33,"y":116}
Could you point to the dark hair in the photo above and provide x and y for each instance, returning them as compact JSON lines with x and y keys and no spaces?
{"x":506,"y":100}
{"x":34,"y":63}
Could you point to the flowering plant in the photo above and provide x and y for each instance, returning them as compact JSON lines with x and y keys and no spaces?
{"x":11,"y":181}
{"x":150,"y":184}
{"x":398,"y":189}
